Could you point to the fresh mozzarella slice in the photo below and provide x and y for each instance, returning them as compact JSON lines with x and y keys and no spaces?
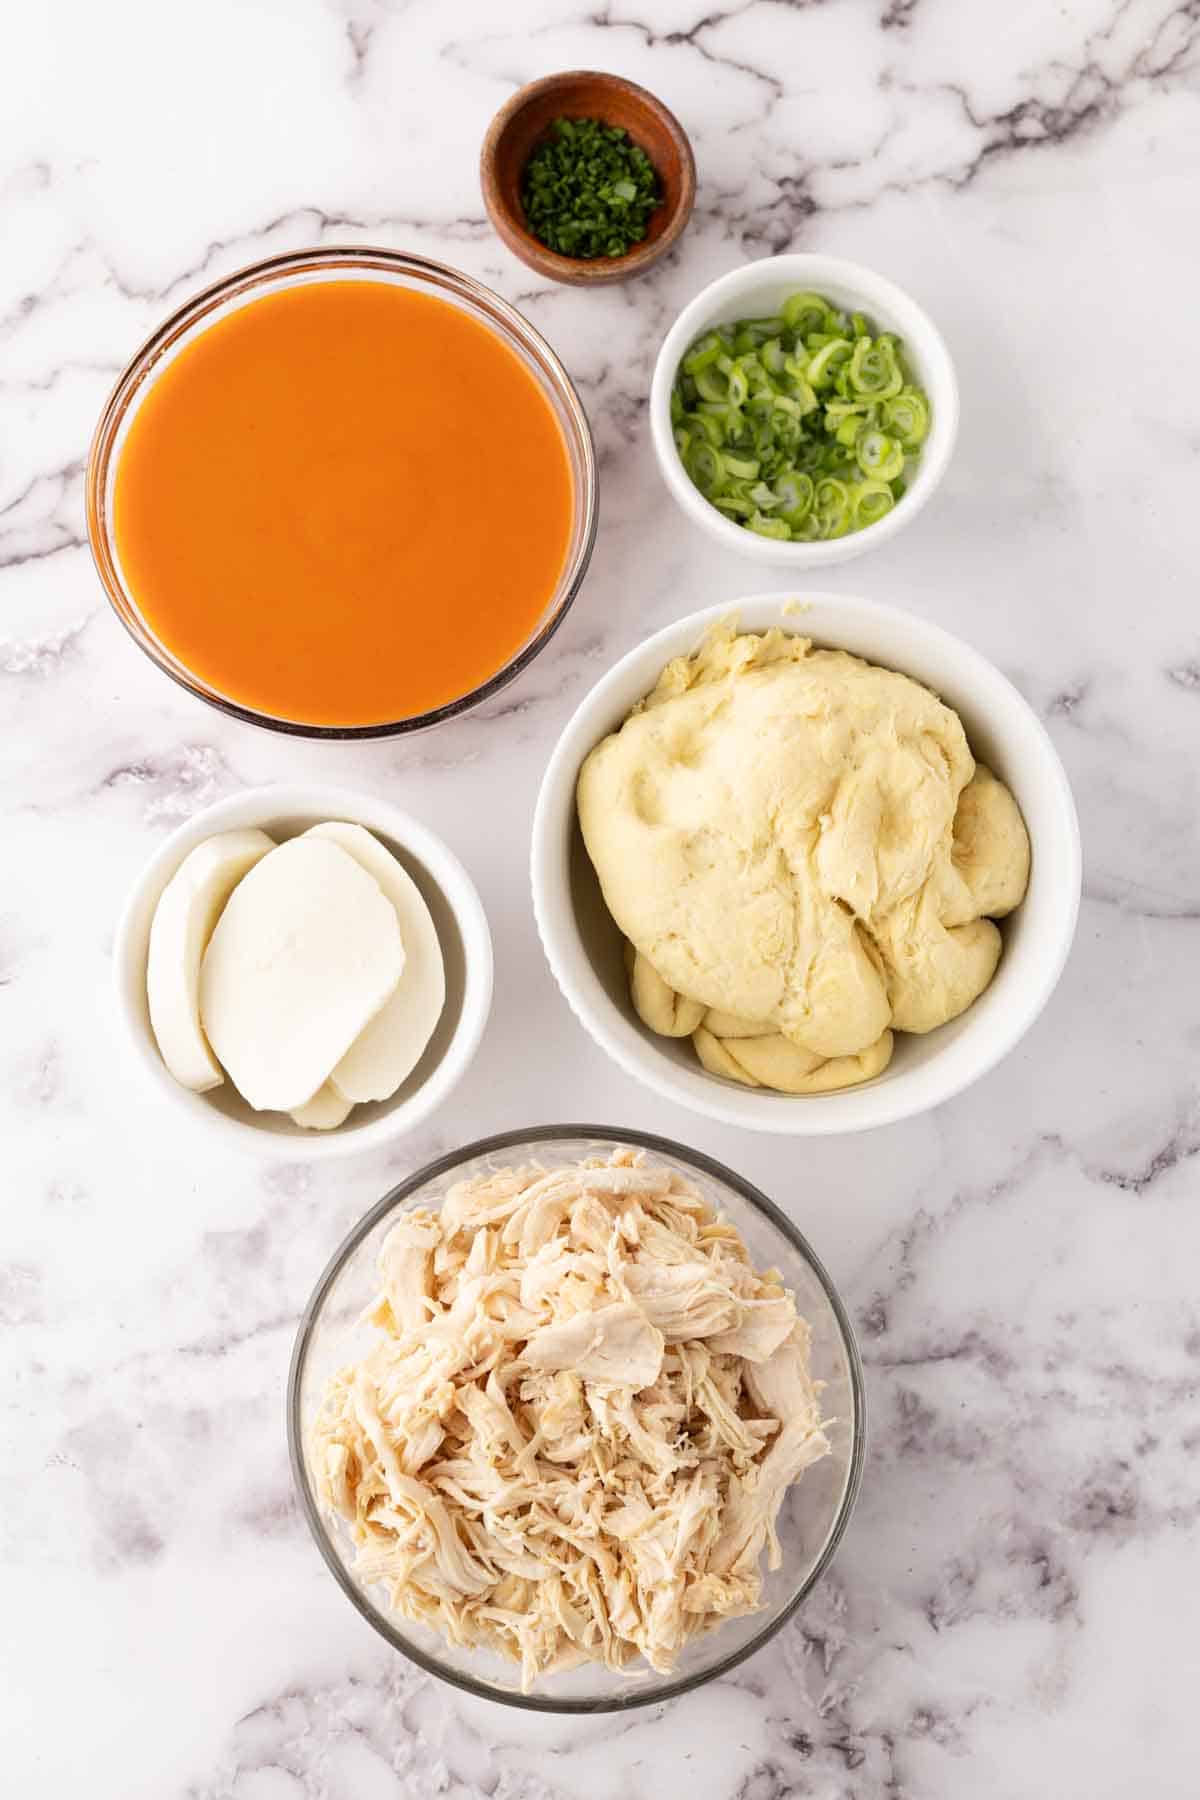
{"x":389,"y":1048}
{"x":304,"y":955}
{"x":187,"y":911}
{"x":325,"y":1110}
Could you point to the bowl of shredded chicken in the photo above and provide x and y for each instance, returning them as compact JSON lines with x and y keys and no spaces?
{"x":569,"y":1437}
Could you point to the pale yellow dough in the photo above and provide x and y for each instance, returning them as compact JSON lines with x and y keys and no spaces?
{"x":801,"y":850}
{"x":656,"y":1004}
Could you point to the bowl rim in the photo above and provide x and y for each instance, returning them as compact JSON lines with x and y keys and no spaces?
{"x":575,"y":271}
{"x":880,"y":295}
{"x":324,"y":261}
{"x":269,"y":802}
{"x":542,"y":1134}
{"x":631,"y":1047}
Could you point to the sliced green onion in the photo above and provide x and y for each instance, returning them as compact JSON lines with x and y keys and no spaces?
{"x":837,"y":410}
{"x":874,"y":369}
{"x":712,"y":381}
{"x":706,"y":466}
{"x":906,"y":416}
{"x":769,"y":528}
{"x":711,"y":424}
{"x":871,"y":499}
{"x":833,"y":507}
{"x":739,"y":385}
{"x":800,"y":390}
{"x":745,"y":468}
{"x":794,"y":496}
{"x":825,"y":364}
{"x":703,"y":352}
{"x":750,"y":333}
{"x":773,"y":357}
{"x":801,"y":425}
{"x":803,"y":313}
{"x":879,"y":455}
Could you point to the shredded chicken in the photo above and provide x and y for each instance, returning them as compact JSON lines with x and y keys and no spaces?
{"x":574,"y":1434}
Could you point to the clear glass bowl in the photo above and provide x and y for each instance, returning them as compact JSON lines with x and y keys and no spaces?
{"x":813,"y":1516}
{"x":332,"y":263}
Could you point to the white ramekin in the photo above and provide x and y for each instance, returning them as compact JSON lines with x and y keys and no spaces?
{"x":584,"y":949}
{"x":757,"y":291}
{"x":283,"y":812}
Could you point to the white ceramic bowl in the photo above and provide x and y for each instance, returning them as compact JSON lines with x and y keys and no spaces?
{"x":283,"y":812}
{"x":757,"y":291}
{"x":584,"y":947}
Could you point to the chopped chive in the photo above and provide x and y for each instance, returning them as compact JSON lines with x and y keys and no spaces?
{"x":589,"y":190}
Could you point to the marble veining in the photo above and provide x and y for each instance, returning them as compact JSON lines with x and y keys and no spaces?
{"x":1012,"y":1610}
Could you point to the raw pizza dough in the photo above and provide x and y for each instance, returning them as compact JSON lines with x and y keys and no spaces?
{"x":804,"y":856}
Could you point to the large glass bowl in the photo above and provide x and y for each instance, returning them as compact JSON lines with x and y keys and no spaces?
{"x":813,"y":1516}
{"x":332,"y":263}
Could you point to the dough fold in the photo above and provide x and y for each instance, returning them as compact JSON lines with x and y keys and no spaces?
{"x":657,"y":1005}
{"x":775,"y":1062}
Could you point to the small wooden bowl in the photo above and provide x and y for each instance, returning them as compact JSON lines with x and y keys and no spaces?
{"x":525,"y":120}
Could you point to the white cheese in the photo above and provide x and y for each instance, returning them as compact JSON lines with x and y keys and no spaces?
{"x":305,"y":954}
{"x":187,"y":911}
{"x":390,"y":1047}
{"x":325,"y":1110}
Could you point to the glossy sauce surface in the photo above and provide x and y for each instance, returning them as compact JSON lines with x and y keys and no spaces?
{"x":344,"y":503}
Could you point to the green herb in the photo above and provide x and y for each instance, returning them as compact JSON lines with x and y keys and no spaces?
{"x":589,"y":190}
{"x":805,"y":425}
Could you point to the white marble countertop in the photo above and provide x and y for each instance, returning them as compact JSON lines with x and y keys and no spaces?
{"x":1012,"y":1612}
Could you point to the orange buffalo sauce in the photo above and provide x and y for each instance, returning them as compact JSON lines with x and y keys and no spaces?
{"x":344,"y":503}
